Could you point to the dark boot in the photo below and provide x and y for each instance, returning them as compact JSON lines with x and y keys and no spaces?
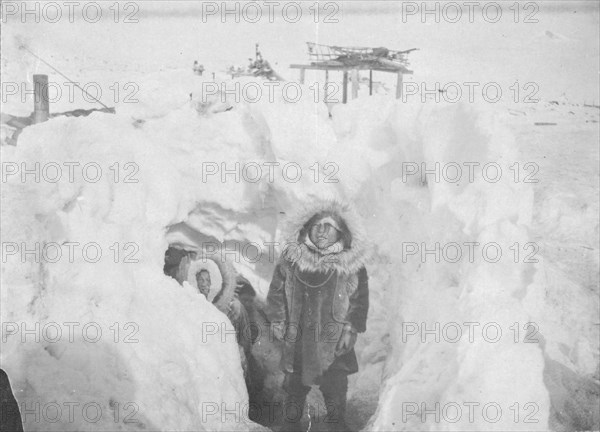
{"x":293,"y":408}
{"x":334,"y":386}
{"x":336,"y":412}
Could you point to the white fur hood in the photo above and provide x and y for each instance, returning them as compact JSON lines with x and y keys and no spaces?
{"x":347,"y":261}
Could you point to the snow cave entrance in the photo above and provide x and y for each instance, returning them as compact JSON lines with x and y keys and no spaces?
{"x":184,"y":257}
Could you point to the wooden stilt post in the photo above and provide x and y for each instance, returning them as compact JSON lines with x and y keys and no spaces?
{"x":326,"y":95}
{"x":41,"y":102}
{"x":370,"y":82}
{"x":354,"y":83}
{"x":302,"y":75}
{"x":345,"y":87}
{"x":399,"y":86}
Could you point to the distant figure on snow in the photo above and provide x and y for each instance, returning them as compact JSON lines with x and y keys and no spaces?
{"x":198,"y":68}
{"x":317,"y":303}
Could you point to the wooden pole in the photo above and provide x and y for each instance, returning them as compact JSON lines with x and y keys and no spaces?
{"x":345,"y":88}
{"x":302,"y":75}
{"x":326,"y":95}
{"x":41,"y":102}
{"x":399,"y":86}
{"x":370,"y":82}
{"x":354,"y":83}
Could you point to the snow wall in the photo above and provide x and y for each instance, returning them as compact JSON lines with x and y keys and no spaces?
{"x":161,"y":360}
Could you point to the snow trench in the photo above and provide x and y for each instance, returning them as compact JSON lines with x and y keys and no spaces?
{"x":166,"y":357}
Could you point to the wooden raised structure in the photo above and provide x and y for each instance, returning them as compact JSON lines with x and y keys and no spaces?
{"x":352,"y":60}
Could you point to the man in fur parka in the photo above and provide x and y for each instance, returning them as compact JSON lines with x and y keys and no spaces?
{"x":317,"y":303}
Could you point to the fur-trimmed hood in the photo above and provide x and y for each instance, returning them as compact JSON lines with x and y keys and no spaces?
{"x":348,"y":261}
{"x":188,"y":269}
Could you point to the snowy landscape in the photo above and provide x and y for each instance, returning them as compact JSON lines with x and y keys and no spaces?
{"x":484,"y":297}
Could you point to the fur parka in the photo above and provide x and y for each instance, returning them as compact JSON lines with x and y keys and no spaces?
{"x":339,"y":296}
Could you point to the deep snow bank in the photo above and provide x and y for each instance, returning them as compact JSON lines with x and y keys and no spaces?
{"x":174,"y":376}
{"x":445,"y":371}
{"x":149,"y":365}
{"x":505,"y":342}
{"x":152,"y":363}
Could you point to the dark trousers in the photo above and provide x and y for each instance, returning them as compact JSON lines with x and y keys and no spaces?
{"x":333,"y":385}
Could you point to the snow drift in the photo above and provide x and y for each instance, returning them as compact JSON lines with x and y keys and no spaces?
{"x":175,"y":374}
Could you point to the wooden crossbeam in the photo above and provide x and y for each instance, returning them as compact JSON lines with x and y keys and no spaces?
{"x":400,"y":69}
